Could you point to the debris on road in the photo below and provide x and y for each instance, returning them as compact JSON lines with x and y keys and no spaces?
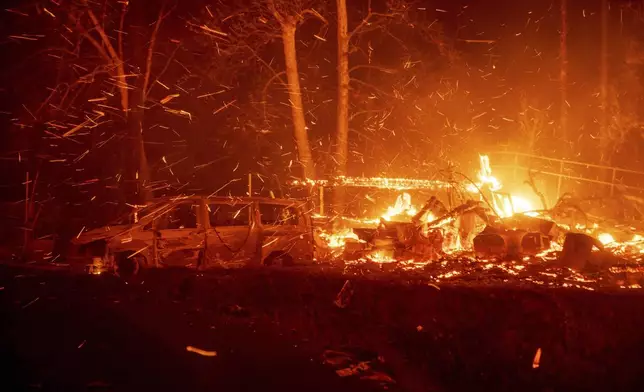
{"x":537,"y":359}
{"x":201,"y":352}
{"x":347,"y":365}
{"x":343,"y":298}
{"x":32,"y":302}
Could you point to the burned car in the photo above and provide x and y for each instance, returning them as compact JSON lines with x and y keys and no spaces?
{"x":203,"y":232}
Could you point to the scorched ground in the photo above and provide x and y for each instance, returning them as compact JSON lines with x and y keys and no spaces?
{"x":313,"y":329}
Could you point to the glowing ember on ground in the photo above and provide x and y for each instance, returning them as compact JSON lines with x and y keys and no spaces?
{"x":381,"y":256}
{"x":338,"y":239}
{"x":399,"y":184}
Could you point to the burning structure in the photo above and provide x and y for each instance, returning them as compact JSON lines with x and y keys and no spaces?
{"x":471,"y":223}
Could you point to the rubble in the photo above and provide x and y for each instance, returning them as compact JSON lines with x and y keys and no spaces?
{"x":349,"y":365}
{"x":490,"y":239}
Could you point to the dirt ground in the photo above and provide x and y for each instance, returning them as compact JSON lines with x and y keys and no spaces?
{"x":272,"y":329}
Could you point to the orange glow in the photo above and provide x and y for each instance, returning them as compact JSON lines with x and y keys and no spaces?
{"x":399,"y":184}
{"x":605,"y":238}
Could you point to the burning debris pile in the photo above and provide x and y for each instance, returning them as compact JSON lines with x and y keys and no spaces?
{"x":491,"y":235}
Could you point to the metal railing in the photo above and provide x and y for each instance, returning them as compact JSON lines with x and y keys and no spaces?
{"x":563,"y":164}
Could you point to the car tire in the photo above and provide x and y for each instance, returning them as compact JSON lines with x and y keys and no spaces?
{"x":127,"y":265}
{"x":281,"y":259}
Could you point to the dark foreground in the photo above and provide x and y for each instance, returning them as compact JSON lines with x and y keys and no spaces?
{"x":271,"y":328}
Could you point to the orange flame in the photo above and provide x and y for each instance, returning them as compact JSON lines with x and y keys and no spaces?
{"x":504,"y":205}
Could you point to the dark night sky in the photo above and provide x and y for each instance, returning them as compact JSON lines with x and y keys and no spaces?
{"x":491,"y":78}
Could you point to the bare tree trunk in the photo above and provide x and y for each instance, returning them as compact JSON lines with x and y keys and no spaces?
{"x":295,"y":96}
{"x":342,"y":135}
{"x":139,"y":161}
{"x":604,"y":131}
{"x":137,"y":118}
{"x":342,"y":128}
{"x":134,"y":111}
{"x":563,"y":71}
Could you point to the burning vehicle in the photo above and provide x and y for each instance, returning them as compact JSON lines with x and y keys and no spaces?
{"x":202,"y":232}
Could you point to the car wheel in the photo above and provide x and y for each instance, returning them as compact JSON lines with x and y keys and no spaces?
{"x":281,"y":259}
{"x":128,"y":265}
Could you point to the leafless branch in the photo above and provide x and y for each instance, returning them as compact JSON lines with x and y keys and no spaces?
{"x":92,"y":41}
{"x":315,"y":14}
{"x":374,"y":88}
{"x":371,"y":111}
{"x":268,"y":83}
{"x":120,"y":35}
{"x":115,"y":59}
{"x":369,"y":18}
{"x":85,"y":79}
{"x":261,"y":60}
{"x":531,"y":183}
{"x":165,"y":68}
{"x":276,"y":14}
{"x":275,"y":76}
{"x":148,"y":61}
{"x":381,"y":69}
{"x":104,"y":38}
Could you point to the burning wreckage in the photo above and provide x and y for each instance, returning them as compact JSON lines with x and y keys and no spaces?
{"x":490,"y":231}
{"x":472,"y":230}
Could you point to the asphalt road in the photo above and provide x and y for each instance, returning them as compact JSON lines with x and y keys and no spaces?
{"x":271,"y":328}
{"x":69,"y":333}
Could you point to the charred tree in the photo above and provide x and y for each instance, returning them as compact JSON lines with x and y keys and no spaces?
{"x":563,"y":69}
{"x":288,"y":25}
{"x":342,"y":128}
{"x":242,"y":33}
{"x":372,"y":21}
{"x":133,"y":97}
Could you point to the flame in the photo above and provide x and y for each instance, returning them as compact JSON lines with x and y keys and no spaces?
{"x":339,"y":238}
{"x":504,"y":205}
{"x":381,"y":256}
{"x":402,"y":208}
{"x":605,"y":238}
{"x":638,"y":242}
{"x":485,"y":174}
{"x":633,"y":246}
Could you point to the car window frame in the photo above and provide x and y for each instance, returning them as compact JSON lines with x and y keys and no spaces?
{"x":153,"y":224}
{"x":297,"y":218}
{"x":208,"y":212}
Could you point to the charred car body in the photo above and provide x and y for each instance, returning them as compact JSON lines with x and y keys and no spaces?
{"x":203,"y":232}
